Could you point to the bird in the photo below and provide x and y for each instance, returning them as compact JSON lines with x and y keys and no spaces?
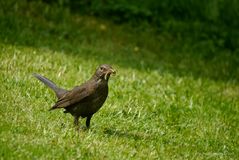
{"x":85,"y":100}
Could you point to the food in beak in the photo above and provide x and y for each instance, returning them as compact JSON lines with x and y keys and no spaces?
{"x":113,"y":72}
{"x":107,"y":75}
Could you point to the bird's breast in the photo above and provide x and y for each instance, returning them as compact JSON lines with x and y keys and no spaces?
{"x":92,"y":103}
{"x":99,"y":97}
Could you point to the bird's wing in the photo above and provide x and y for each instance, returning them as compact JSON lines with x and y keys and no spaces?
{"x":75,"y":95}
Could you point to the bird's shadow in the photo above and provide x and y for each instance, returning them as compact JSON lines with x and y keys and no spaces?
{"x":124,"y":134}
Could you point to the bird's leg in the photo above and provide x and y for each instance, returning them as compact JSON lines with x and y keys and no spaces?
{"x":88,"y":121}
{"x":76,"y":121}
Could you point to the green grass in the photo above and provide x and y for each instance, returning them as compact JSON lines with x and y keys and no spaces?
{"x":169,"y":100}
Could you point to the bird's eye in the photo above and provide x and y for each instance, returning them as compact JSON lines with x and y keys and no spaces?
{"x":101,"y":68}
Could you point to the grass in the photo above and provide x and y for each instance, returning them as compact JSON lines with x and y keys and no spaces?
{"x":170,"y":100}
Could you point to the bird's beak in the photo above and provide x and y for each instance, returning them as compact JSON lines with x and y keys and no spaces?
{"x":112,"y":71}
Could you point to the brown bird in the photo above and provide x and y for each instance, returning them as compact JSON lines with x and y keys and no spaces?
{"x":84,"y":100}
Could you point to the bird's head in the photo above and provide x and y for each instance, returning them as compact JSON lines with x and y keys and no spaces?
{"x":104,"y":71}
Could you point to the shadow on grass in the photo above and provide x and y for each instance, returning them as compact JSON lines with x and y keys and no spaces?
{"x":125,"y":46}
{"x":124,"y":134}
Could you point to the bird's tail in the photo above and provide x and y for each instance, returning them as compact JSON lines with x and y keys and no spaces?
{"x":59,"y":91}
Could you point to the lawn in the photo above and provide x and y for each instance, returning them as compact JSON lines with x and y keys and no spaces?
{"x":171,"y":98}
